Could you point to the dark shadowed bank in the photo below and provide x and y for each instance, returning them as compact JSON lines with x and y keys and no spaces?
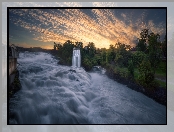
{"x":15,"y":85}
{"x":159,"y":94}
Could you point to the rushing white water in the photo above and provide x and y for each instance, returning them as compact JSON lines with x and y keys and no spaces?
{"x":76,"y":58}
{"x":54,"y":94}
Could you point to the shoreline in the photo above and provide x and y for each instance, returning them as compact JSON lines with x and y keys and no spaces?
{"x":159,"y":94}
{"x":15,"y":86}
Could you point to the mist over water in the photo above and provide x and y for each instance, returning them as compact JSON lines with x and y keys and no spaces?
{"x":54,"y":94}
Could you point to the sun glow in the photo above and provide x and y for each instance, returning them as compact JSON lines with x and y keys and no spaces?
{"x":102,"y":27}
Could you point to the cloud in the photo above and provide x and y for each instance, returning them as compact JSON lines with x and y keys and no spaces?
{"x":101,"y":27}
{"x":104,"y":4}
{"x":123,"y":15}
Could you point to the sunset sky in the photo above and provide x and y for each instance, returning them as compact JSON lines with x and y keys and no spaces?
{"x":43,"y":27}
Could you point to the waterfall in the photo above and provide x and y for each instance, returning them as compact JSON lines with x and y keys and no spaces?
{"x":76,"y":58}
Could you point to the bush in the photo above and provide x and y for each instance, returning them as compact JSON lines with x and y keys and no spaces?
{"x":87,"y":64}
{"x":146,"y":76}
{"x":122,"y":72}
{"x":138,"y":57}
{"x":118,"y":60}
{"x":131,"y":68}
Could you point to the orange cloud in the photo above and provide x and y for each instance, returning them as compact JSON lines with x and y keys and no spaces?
{"x":75,"y":25}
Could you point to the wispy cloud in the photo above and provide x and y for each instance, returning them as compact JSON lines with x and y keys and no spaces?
{"x":104,"y":4}
{"x":102,"y":27}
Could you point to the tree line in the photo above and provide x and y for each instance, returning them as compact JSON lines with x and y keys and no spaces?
{"x":145,"y":56}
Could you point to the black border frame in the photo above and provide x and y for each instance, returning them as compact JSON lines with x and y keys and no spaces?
{"x":8,"y":8}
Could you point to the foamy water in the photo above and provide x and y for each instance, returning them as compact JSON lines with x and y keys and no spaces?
{"x":54,"y":94}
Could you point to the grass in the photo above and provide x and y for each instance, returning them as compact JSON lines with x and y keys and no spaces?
{"x":161,"y":83}
{"x":160,"y":73}
{"x":161,"y":70}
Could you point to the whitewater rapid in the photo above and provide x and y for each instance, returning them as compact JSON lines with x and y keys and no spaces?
{"x":54,"y":94}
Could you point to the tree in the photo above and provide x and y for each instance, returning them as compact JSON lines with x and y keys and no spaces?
{"x":154,"y":50}
{"x":144,"y":35}
{"x":65,"y":52}
{"x":131,"y":68}
{"x":87,"y":64}
{"x":91,"y":49}
{"x":138,"y":57}
{"x":142,"y":41}
{"x":55,"y":46}
{"x":146,"y":75}
{"x":141,"y":46}
{"x":110,"y":54}
{"x":122,"y":54}
{"x":103,"y":56}
{"x":119,"y":59}
{"x":164,"y":46}
{"x":79,"y":45}
{"x":128,"y":47}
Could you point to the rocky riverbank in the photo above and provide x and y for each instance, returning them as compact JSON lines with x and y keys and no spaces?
{"x":15,"y":85}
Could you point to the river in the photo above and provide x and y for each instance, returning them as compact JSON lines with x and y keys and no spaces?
{"x":54,"y":94}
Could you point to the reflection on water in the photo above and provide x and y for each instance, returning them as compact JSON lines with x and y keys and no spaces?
{"x":55,"y":94}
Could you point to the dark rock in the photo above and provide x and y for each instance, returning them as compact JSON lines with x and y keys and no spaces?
{"x":71,"y":70}
{"x":15,"y":86}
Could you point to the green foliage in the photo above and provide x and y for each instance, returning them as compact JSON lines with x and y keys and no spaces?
{"x":89,"y":59}
{"x":138,"y":57}
{"x":148,"y":62}
{"x":57,"y":46}
{"x":164,"y":47}
{"x":97,"y":59}
{"x":161,"y":83}
{"x":131,"y":68}
{"x":54,"y":47}
{"x":123,"y":54}
{"x":126,"y":57}
{"x":141,"y":46}
{"x":161,"y":69}
{"x":87,"y":64}
{"x":65,"y":52}
{"x":103,"y":56}
{"x":79,"y":45}
{"x":119,"y":60}
{"x":110,"y":54}
{"x":146,"y":75}
{"x":144,"y":34}
{"x":142,"y":41}
{"x":154,"y":50}
{"x":123,"y":72}
{"x":91,"y":49}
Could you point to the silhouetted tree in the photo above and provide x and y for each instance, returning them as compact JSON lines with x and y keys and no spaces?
{"x":154,"y":50}
{"x":142,"y":41}
{"x":164,"y":46}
